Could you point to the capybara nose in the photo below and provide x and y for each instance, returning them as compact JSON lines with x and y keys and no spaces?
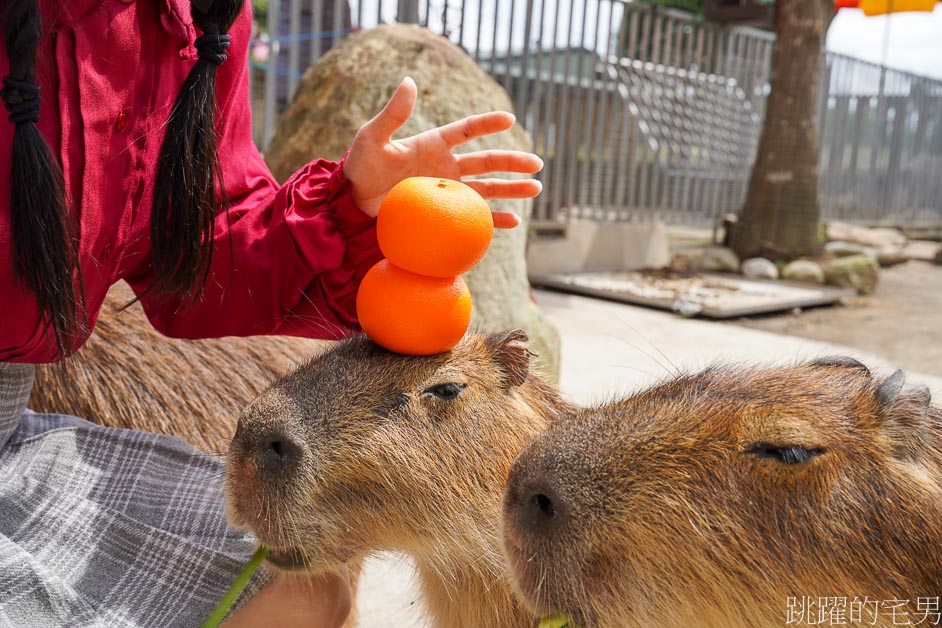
{"x":542,"y":511}
{"x":279,"y":449}
{"x":533,"y":506}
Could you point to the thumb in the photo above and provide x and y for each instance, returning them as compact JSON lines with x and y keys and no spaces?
{"x":395,"y":113}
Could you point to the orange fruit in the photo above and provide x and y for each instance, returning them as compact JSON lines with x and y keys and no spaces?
{"x":435,"y":227}
{"x":410,"y":313}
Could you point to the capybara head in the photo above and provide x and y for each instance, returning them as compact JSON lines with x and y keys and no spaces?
{"x":362,"y":449}
{"x":721,"y":498}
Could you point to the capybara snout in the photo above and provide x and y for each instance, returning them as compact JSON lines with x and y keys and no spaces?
{"x":714,"y":498}
{"x":271,"y":445}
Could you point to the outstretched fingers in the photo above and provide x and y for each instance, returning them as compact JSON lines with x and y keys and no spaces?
{"x":395,"y":113}
{"x":506,"y":188}
{"x":486,"y":161}
{"x":466,"y":129}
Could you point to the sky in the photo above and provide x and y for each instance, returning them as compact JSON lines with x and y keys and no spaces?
{"x":915,"y":39}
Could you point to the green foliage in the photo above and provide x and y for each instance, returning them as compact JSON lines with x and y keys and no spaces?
{"x":260,"y":13}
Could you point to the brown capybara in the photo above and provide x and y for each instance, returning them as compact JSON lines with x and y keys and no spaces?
{"x":363,"y":450}
{"x":735,"y":497}
{"x":129,"y":375}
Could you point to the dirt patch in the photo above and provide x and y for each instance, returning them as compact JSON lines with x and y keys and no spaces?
{"x":901,"y":321}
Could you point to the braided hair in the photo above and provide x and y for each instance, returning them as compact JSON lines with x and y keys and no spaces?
{"x":188,"y":170}
{"x":43,"y":233}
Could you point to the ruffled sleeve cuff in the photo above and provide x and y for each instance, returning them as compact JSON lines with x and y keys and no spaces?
{"x":332,"y":234}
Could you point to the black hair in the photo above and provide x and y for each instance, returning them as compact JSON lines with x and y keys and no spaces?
{"x":43,"y":233}
{"x":188,"y":170}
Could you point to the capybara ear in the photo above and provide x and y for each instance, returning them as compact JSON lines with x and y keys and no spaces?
{"x":905,"y":415}
{"x":512,"y":354}
{"x":841,"y":361}
{"x":890,"y":389}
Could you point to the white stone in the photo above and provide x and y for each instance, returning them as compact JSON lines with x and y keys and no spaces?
{"x":759,"y":268}
{"x":803,"y":270}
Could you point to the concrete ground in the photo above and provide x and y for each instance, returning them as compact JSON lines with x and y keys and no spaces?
{"x":611,"y":349}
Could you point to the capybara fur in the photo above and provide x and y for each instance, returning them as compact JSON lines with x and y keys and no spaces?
{"x":363,"y":450}
{"x":722,"y":498}
{"x":129,"y":375}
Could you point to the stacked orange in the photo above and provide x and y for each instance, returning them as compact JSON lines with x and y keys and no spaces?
{"x":431,"y":231}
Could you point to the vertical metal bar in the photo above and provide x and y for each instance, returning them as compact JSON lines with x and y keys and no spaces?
{"x":890,"y":202}
{"x":359,"y":22}
{"x":524,"y":85}
{"x":590,"y":164}
{"x":633,"y":26}
{"x":477,"y":37}
{"x":580,"y":104}
{"x":508,"y":66}
{"x":564,"y":151}
{"x":656,"y":36}
{"x":667,"y":37}
{"x":294,"y":48}
{"x":644,"y":51}
{"x":602,"y":139}
{"x":494,"y":40}
{"x":271,"y":78}
{"x":340,"y":14}
{"x":317,"y":28}
{"x":537,"y":87}
{"x":553,"y":125}
{"x":461,"y":22}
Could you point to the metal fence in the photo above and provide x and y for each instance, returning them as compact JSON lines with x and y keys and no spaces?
{"x":640,"y":111}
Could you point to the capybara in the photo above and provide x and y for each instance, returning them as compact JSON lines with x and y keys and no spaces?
{"x":362,"y":450}
{"x":735,"y":497}
{"x":129,"y":375}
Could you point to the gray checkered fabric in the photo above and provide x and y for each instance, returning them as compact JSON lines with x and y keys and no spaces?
{"x":108,"y":527}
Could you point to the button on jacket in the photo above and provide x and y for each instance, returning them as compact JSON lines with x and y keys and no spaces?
{"x":288,"y":258}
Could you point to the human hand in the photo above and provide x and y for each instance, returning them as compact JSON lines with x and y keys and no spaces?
{"x":377,"y":162}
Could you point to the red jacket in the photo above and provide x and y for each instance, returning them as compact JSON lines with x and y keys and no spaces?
{"x":289,"y":258}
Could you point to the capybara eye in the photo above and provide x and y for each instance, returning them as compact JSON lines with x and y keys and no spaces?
{"x":446,"y":392}
{"x":788,"y":454}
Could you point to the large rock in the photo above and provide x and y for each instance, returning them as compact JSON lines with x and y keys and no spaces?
{"x":855,"y":271}
{"x":803,"y":270}
{"x":353,"y":81}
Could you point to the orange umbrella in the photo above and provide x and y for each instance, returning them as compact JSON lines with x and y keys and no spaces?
{"x":882,"y":7}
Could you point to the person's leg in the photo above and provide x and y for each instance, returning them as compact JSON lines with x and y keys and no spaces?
{"x":117,"y":528}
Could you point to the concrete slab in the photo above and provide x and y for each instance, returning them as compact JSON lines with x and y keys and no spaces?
{"x":609,"y":350}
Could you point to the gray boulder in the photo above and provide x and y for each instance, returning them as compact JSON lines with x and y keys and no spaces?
{"x":759,"y":268}
{"x":856,"y":271}
{"x":352,"y":82}
{"x":803,"y":270}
